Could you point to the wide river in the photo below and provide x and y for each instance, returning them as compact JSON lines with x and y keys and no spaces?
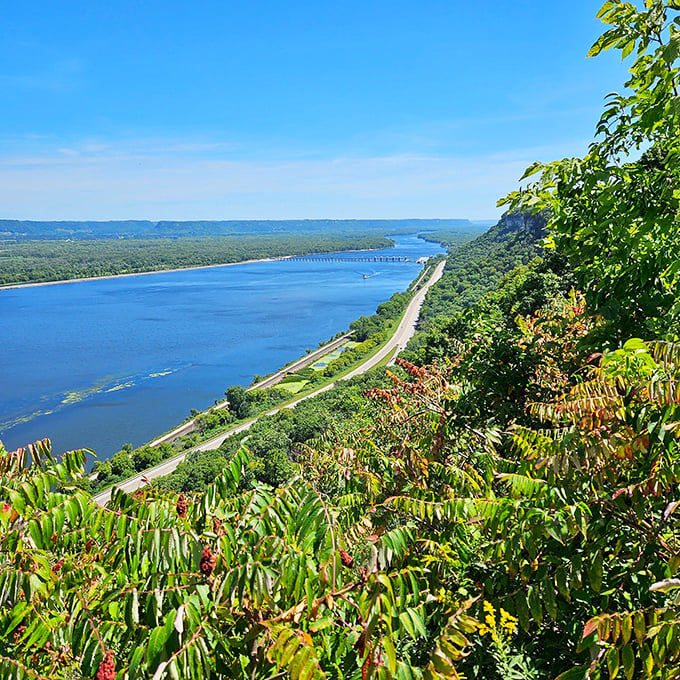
{"x":100,"y":363}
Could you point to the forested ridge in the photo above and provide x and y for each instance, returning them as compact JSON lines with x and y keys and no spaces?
{"x":43,"y":260}
{"x":503,"y":506}
{"x":477,"y":267}
{"x":22,"y":230}
{"x":33,"y":252}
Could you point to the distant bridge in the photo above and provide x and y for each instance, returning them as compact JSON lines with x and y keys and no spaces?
{"x":374,"y":258}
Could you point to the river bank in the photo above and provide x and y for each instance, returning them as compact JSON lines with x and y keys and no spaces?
{"x":395,"y":343}
{"x":155,"y":271}
{"x":117,"y":361}
{"x":34,"y":284}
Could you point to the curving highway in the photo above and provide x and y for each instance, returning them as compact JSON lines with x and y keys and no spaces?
{"x":404,"y":332}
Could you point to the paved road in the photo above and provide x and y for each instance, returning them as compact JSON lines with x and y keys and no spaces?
{"x":305,"y":361}
{"x":272,"y":380}
{"x":406,"y":328}
{"x":395,"y":344}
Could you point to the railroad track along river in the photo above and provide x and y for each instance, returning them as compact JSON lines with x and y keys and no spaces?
{"x":392,"y":347}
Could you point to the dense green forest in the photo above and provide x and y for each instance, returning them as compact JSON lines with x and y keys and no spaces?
{"x":23,"y":230}
{"x":507,"y":509}
{"x":56,"y":251}
{"x":275,"y":443}
{"x":43,"y":260}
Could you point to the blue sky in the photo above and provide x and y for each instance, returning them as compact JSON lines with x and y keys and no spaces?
{"x":262,"y":109}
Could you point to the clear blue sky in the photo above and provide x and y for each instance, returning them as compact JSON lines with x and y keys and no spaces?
{"x":264,"y":109}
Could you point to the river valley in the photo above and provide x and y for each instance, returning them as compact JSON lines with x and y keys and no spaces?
{"x":100,"y":363}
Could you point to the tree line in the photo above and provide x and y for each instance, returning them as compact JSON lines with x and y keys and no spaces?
{"x":48,"y":260}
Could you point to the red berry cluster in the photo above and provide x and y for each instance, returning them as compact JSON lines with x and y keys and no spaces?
{"x":415,"y":371}
{"x":208,"y":561}
{"x":18,"y":632}
{"x":107,"y":668}
{"x":181,"y":506}
{"x":217,"y":526}
{"x":366,"y":667}
{"x":346,"y":559}
{"x":388,"y":396}
{"x":56,"y":568}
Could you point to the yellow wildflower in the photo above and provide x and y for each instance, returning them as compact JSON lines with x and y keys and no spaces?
{"x":508,"y":621}
{"x":490,"y":617}
{"x":483,"y":629}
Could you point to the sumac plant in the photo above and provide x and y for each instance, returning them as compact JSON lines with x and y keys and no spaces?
{"x":570,"y":526}
{"x":229,"y":584}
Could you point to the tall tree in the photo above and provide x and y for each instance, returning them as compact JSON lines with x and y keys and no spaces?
{"x":615,"y":211}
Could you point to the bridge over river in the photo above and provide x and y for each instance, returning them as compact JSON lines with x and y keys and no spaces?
{"x":358,"y":258}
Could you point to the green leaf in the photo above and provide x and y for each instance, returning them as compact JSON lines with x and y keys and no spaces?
{"x":635,"y":345}
{"x":628,"y":659}
{"x":532,"y":170}
{"x":576,"y":673}
{"x":671,"y":50}
{"x":605,"y":8}
{"x":639,"y":626}
{"x":549,"y":598}
{"x":596,"y":572}
{"x":156,"y":646}
{"x":291,"y":647}
{"x":535,"y":605}
{"x":611,"y":657}
{"x":627,"y":49}
{"x":647,"y":659}
{"x":390,"y":653}
{"x":562,"y":582}
{"x":35,"y":530}
{"x":136,"y":660}
{"x":522,"y":610}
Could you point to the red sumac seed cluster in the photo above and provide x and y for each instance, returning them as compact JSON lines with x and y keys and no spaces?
{"x":182,"y":506}
{"x":208,"y":561}
{"x":346,"y":559}
{"x":107,"y":668}
{"x":366,"y":667}
{"x":388,"y":396}
{"x":18,"y":632}
{"x":415,"y":371}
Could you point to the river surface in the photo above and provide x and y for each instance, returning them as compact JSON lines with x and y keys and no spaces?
{"x":100,"y":363}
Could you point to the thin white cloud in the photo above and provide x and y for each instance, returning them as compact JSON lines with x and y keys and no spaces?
{"x":179,"y":180}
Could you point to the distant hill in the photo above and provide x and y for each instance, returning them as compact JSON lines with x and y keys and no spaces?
{"x":476,"y":267}
{"x":20,"y":230}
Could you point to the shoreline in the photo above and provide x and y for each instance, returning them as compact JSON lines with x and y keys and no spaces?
{"x":32,"y":284}
{"x":403,"y":332}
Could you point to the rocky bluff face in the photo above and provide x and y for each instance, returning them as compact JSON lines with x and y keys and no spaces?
{"x":522,"y":221}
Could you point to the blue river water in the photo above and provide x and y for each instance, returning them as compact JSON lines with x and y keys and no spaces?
{"x":100,"y":363}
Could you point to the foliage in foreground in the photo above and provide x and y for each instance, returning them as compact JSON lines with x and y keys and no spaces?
{"x":227,"y":584}
{"x":428,"y":546}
